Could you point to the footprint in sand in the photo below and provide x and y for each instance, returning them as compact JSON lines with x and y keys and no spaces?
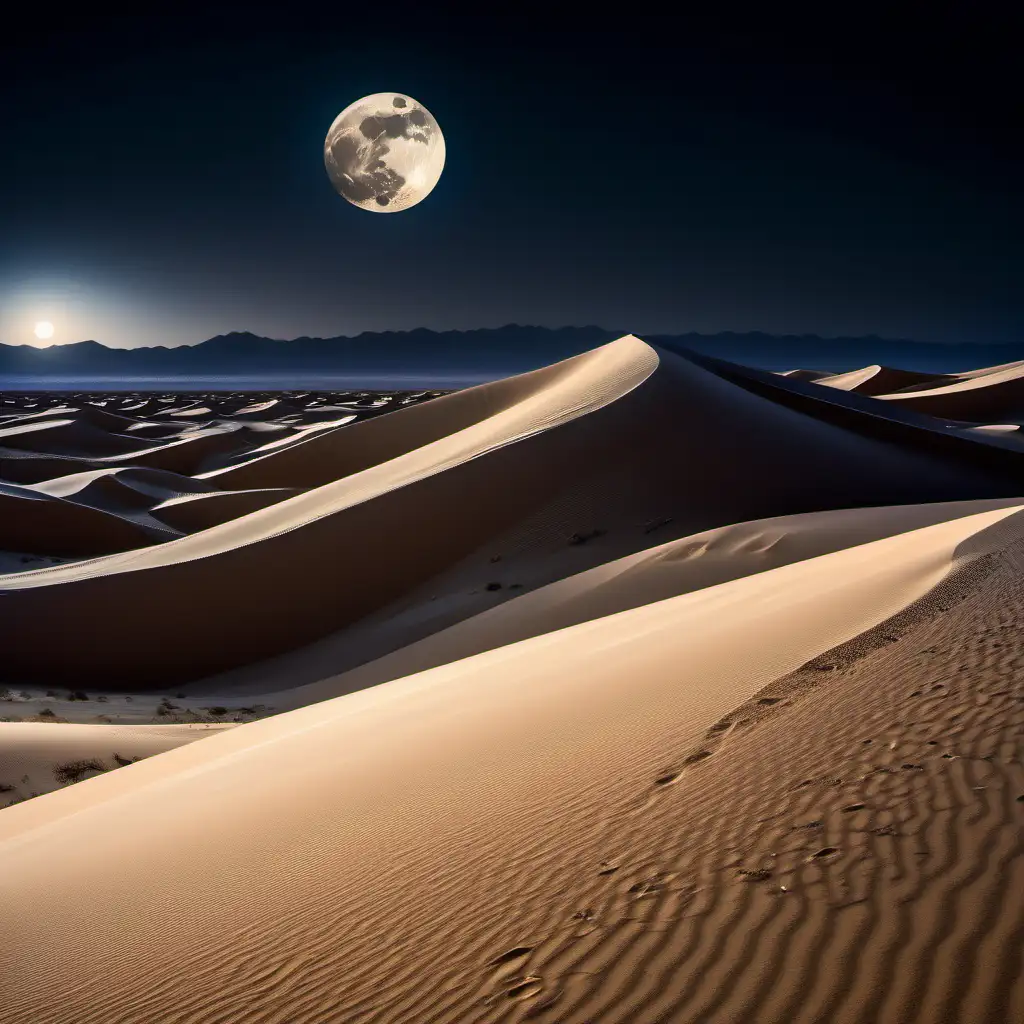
{"x":516,"y":953}
{"x":645,"y":887}
{"x":669,"y":777}
{"x":699,"y":756}
{"x":529,"y":987}
{"x":824,"y":853}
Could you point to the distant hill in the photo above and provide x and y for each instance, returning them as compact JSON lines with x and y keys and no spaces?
{"x":488,"y":352}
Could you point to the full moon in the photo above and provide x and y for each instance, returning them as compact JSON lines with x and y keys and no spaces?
{"x":43,"y":329}
{"x":384,"y":153}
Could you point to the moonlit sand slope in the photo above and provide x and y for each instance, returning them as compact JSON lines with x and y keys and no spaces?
{"x":531,"y":826}
{"x":629,"y":690}
{"x":678,"y":567}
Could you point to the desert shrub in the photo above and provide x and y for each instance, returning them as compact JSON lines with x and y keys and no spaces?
{"x":256,"y":709}
{"x":217,"y":711}
{"x":165,"y":707}
{"x":47,"y":713}
{"x":72,"y":771}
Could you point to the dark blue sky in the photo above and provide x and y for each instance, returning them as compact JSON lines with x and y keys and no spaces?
{"x":162,"y":178}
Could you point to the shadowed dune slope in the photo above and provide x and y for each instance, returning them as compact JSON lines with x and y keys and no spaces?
{"x":600,"y":444}
{"x":129,"y":487}
{"x":965,"y":375}
{"x":94,"y":415}
{"x":71,"y":436}
{"x":193,"y":512}
{"x":42,"y":524}
{"x":184,"y":454}
{"x":536,"y":833}
{"x":668,"y":570}
{"x":982,"y":397}
{"x":893,"y":422}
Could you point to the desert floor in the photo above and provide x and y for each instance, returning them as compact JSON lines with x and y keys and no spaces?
{"x":641,"y":688}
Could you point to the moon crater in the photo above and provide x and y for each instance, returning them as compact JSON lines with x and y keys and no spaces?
{"x":384,"y":152}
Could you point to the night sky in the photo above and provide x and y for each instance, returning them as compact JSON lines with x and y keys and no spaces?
{"x":162,"y":177}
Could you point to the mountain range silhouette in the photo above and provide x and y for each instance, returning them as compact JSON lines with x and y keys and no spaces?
{"x":483,"y":352}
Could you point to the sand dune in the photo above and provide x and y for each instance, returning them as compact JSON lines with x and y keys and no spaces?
{"x":544,"y":462}
{"x":880,"y":380}
{"x":193,"y":512}
{"x":71,"y":436}
{"x":953,"y":440}
{"x":667,"y":570}
{"x":64,"y":437}
{"x":109,"y":471}
{"x":183,"y":453}
{"x":43,"y":524}
{"x":644,"y":687}
{"x":514,"y":828}
{"x":995,"y":393}
{"x":809,"y":375}
{"x":131,"y":487}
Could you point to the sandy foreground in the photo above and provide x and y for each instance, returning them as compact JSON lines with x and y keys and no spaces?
{"x":637,"y":688}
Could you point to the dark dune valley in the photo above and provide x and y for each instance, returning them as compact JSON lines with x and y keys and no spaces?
{"x":644,"y":686}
